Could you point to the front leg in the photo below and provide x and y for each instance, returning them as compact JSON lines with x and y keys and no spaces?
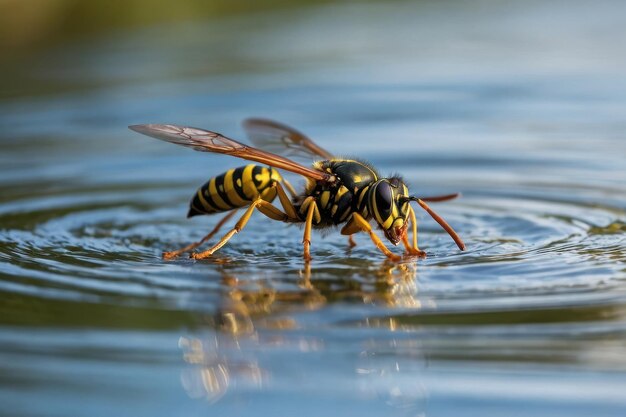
{"x":412,"y":250}
{"x":363,"y":225}
{"x":310,"y":205}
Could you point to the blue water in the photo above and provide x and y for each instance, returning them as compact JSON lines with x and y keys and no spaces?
{"x":517,"y":106}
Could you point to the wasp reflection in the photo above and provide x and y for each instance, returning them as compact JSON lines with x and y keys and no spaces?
{"x":263,"y":327}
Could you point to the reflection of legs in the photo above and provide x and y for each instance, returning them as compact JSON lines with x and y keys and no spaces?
{"x":312,"y":210}
{"x":351,"y":242}
{"x":362,"y":224}
{"x":218,"y":226}
{"x":264,"y":207}
{"x":412,"y":250}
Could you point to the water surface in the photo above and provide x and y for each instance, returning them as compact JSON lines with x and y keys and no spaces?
{"x":519,"y":107}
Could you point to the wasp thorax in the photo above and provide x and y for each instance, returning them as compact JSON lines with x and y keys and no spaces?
{"x":388,"y":203}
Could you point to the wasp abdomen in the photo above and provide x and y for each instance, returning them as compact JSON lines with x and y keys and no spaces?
{"x":233,"y":189}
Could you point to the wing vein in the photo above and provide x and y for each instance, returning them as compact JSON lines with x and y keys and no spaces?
{"x":207,"y":141}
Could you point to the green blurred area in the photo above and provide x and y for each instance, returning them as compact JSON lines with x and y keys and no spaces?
{"x":34,"y":32}
{"x":27,"y":25}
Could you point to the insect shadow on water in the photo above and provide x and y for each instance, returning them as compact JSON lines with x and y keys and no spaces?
{"x":339,"y":191}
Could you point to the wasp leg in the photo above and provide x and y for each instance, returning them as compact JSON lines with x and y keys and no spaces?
{"x":290,"y":210}
{"x":218,"y":226}
{"x":362,"y":224}
{"x":351,"y":242}
{"x":292,"y":191}
{"x":264,"y":207}
{"x":412,"y":250}
{"x":312,"y":211}
{"x":413,"y":226}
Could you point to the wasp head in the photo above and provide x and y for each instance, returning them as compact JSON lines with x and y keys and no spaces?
{"x":389,"y":204}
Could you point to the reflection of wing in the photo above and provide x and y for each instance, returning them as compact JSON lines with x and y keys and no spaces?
{"x":280,"y":138}
{"x":206,"y":141}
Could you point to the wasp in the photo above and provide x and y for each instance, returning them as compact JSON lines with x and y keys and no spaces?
{"x":338,"y":191}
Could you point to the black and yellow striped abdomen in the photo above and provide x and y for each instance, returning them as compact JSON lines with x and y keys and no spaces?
{"x":233,"y":189}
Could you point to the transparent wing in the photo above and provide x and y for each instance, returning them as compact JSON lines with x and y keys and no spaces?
{"x":280,"y":138}
{"x":207,"y":141}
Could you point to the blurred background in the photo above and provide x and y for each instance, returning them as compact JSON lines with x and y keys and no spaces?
{"x":518,"y":105}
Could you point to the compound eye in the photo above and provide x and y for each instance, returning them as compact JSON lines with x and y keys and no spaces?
{"x":384,"y":197}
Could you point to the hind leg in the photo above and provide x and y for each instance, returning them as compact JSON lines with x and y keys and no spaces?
{"x":264,"y":207}
{"x":192,"y":246}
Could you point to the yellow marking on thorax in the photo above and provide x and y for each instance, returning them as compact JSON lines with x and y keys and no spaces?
{"x":357,"y":162}
{"x":363,"y":193}
{"x":369,"y":169}
{"x":216,"y":197}
{"x":324,"y":199}
{"x":340,"y":192}
{"x":345,"y":214}
{"x":231,"y":192}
